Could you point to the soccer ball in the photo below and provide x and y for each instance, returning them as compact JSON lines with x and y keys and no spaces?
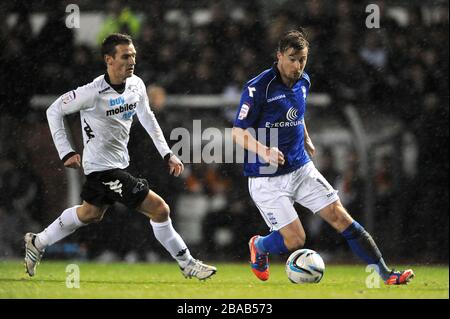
{"x":305,"y":266}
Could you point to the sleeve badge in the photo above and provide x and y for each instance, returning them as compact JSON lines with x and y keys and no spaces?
{"x":243,"y":112}
{"x":68,"y":97}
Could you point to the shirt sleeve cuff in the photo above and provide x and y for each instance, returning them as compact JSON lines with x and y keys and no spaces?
{"x":67,"y":156}
{"x":168,"y":156}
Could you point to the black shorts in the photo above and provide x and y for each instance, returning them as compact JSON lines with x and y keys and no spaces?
{"x":116,"y":185}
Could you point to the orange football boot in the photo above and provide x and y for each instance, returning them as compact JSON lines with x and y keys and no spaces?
{"x":259,"y":262}
{"x":400,"y":277}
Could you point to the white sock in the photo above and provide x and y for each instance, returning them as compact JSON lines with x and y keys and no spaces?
{"x":172,"y":241}
{"x":62,"y":227}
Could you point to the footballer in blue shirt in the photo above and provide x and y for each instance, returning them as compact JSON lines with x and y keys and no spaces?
{"x":274,"y":104}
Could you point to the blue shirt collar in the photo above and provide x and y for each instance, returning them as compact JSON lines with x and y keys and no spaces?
{"x":276,"y":72}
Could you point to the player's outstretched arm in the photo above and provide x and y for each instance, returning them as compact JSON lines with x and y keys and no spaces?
{"x":149,"y":122}
{"x":244,"y":138}
{"x":71,"y":102}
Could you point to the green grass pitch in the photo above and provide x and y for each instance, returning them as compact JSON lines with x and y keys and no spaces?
{"x":164,"y":281}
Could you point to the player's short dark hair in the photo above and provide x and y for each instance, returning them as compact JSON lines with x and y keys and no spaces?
{"x":295,"y":39}
{"x":110,"y":42}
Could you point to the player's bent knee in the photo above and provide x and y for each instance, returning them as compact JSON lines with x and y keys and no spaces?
{"x":155,"y":208}
{"x":337,"y":216}
{"x":162,"y":211}
{"x":343,"y":218}
{"x":89,"y":216}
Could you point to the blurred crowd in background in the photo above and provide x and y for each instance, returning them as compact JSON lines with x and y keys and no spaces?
{"x":398,"y":71}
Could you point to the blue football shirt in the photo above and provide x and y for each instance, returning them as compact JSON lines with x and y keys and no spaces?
{"x":267,"y":104}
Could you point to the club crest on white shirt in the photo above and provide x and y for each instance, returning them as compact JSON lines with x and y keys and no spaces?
{"x":133,"y":88}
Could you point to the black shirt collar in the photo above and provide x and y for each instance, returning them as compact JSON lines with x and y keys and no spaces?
{"x":119,"y":88}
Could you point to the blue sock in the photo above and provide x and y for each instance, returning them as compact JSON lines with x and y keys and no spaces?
{"x":364,"y":246}
{"x":272,"y":244}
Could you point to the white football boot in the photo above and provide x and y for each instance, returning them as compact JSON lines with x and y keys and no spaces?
{"x":32,"y":254}
{"x":195,"y":268}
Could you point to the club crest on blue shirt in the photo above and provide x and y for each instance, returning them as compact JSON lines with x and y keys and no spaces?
{"x":291,"y":114}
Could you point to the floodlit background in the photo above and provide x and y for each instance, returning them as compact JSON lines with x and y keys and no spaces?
{"x":377,"y":113}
